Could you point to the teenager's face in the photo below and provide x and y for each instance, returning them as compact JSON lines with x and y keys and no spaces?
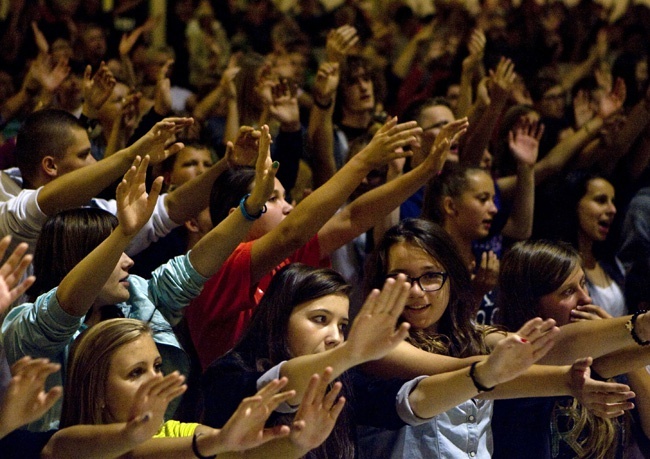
{"x":558,"y":304}
{"x":474,"y":210}
{"x":423,"y":309}
{"x":358,"y":92}
{"x":277,"y":208}
{"x":131,"y":366}
{"x":112,"y":108}
{"x":116,"y":288}
{"x":596,"y":210}
{"x":77,"y":155}
{"x":190,"y":163}
{"x":318,"y":325}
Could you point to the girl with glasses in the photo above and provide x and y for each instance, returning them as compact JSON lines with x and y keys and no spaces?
{"x":301,"y":326}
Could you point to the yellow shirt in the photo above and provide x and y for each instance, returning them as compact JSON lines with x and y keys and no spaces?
{"x":175,"y":429}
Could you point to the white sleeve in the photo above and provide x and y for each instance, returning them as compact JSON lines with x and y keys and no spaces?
{"x":270,"y":375}
{"x":158,"y":226}
{"x":22,"y":218}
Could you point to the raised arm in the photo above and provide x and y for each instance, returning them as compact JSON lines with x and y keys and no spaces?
{"x":367,"y":210}
{"x":78,"y":187}
{"x":320,"y":133}
{"x":372,"y":335}
{"x":524,"y":146}
{"x":315,"y":210}
{"x":214,"y":248}
{"x":472,"y":65}
{"x":80,"y":287}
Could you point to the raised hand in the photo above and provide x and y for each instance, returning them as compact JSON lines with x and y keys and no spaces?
{"x":26,"y":400}
{"x":451,"y":132}
{"x":327,"y":80}
{"x":612,"y":102}
{"x":245,"y":150}
{"x":11,"y":273}
{"x":134,"y":204}
{"x":373,"y":333}
{"x":227,"y":82}
{"x":502,"y":79}
{"x":339,"y":43}
{"x":245,"y":428}
{"x":514,"y":354}
{"x":97,"y":88}
{"x":486,"y":275}
{"x":318,"y":412}
{"x":265,"y":170}
{"x":523,"y":141}
{"x":128,"y":41}
{"x":387,"y":143}
{"x":476,"y":47}
{"x":160,"y":142}
{"x":151,"y":400}
{"x":603,"y":399}
{"x":284,"y":104}
{"x":49,"y":76}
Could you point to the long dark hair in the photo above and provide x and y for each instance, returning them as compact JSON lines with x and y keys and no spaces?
{"x":228,"y":189}
{"x":265,"y":342}
{"x":456,"y":334}
{"x":529,"y":271}
{"x":66,"y":239}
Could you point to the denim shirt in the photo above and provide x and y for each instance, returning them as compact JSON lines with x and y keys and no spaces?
{"x":44,"y":329}
{"x":463,"y":431}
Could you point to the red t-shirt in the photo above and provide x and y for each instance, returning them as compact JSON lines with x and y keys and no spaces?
{"x":220,"y":314}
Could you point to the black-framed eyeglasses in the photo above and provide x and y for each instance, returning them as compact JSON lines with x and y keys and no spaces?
{"x":428,"y":282}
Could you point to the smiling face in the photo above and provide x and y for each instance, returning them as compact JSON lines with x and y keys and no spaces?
{"x":558,"y":304}
{"x":596,"y":210}
{"x":423,"y":309}
{"x":131,"y":365}
{"x":470,"y":215}
{"x":116,"y":288}
{"x":318,"y":325}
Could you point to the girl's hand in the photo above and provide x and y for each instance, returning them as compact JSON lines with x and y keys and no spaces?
{"x":134,"y":205}
{"x":524,"y":140}
{"x":265,"y":170}
{"x":514,"y":354}
{"x":589,"y":312}
{"x":388,"y":142}
{"x":245,"y":428}
{"x":318,"y":412}
{"x":151,"y":400}
{"x":604,"y":399}
{"x":11,"y":273}
{"x":486,"y":275}
{"x":26,"y":400}
{"x":373,"y":333}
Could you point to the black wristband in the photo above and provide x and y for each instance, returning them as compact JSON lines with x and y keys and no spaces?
{"x":195,"y":449}
{"x":631,"y":326}
{"x":480,"y":387}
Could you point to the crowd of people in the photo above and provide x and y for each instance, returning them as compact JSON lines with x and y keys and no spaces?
{"x":324,"y":231}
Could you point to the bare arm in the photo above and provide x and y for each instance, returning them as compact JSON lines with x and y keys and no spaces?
{"x":315,"y":210}
{"x":80,"y":287}
{"x":320,"y":132}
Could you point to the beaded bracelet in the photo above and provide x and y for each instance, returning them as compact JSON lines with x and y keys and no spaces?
{"x":246,"y":215}
{"x":631,"y":326}
{"x":478,"y":385}
{"x":195,"y":449}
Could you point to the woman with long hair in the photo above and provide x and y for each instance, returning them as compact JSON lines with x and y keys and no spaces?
{"x":548,"y":279}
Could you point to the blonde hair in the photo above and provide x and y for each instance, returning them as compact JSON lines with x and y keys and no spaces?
{"x":88,"y":366}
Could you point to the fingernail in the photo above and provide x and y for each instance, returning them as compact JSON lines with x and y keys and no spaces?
{"x":275,"y":164}
{"x":524,"y":340}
